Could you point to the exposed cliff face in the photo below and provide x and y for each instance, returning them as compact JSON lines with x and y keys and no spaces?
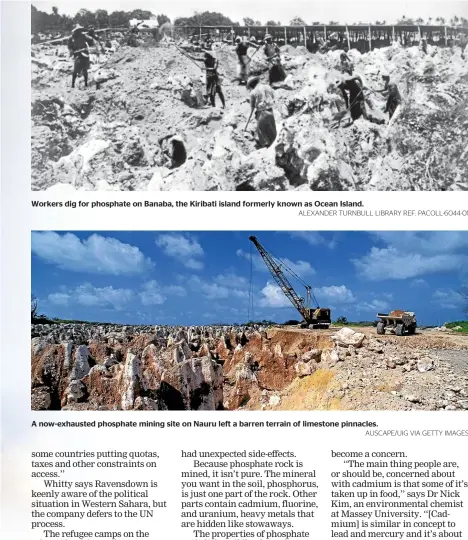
{"x":108,"y":137}
{"x":86,"y":367}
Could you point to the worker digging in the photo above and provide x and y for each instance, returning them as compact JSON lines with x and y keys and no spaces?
{"x":78,"y":45}
{"x":357,"y":106}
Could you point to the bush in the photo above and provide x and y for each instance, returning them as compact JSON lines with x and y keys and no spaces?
{"x":341,"y":320}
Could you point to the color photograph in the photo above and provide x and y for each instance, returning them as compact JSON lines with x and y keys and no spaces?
{"x":232,"y":320}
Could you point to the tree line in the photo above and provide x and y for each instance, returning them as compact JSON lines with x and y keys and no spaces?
{"x":42,"y":21}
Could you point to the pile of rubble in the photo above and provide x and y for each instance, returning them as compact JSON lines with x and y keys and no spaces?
{"x":112,"y":135}
{"x":105,"y":367}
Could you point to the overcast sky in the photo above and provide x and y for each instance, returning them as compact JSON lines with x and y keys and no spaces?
{"x":341,"y":10}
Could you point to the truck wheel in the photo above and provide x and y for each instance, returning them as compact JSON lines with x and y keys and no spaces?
{"x":399,"y":330}
{"x":380,"y":328}
{"x":412,"y":330}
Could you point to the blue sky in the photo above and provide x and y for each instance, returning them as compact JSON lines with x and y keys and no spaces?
{"x":204,"y":277}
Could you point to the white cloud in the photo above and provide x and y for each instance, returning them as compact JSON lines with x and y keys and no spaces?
{"x":231,"y":280}
{"x":273,"y":296}
{"x":95,"y":254}
{"x":313,"y":238}
{"x":59,"y":299}
{"x":182,"y":247}
{"x":413,"y":254}
{"x":151,"y":294}
{"x":213,"y":290}
{"x":389,"y":263}
{"x":338,"y":294}
{"x":374,"y":306}
{"x":209,"y":290}
{"x":448,"y":299}
{"x":425,"y":242}
{"x":90,"y":296}
{"x":301,"y":268}
{"x":175,"y":290}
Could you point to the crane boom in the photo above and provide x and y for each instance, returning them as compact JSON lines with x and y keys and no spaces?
{"x":280,"y":278}
{"x":318,"y":316}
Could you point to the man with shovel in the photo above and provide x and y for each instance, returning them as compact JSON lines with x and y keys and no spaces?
{"x":261,"y":103}
{"x":243,"y":60}
{"x":213,"y":82}
{"x":272,"y":53}
{"x":78,"y":45}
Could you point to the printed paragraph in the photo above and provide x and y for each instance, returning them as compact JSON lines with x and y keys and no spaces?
{"x":114,"y":486}
{"x":387,"y":494}
{"x":247,"y":494}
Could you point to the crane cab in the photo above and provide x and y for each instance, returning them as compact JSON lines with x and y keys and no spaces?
{"x":318,"y":317}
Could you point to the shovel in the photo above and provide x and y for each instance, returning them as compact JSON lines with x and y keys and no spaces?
{"x":248,"y":121}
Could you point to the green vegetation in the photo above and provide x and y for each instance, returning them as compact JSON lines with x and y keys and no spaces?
{"x":458,"y":326}
{"x":263,"y":323}
{"x":343,"y":321}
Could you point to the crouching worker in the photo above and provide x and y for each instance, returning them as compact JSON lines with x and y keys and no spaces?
{"x":353,"y":94}
{"x":78,"y":45}
{"x":261,"y":103}
{"x":175,"y":154}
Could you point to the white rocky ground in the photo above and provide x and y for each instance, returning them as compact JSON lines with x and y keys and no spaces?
{"x":105,"y":367}
{"x":107,"y":137}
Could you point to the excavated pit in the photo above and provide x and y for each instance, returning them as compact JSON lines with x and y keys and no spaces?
{"x":109,"y":136}
{"x":109,"y":367}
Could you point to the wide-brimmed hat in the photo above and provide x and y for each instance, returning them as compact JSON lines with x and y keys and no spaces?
{"x":251,"y":81}
{"x":238,"y":39}
{"x":267,"y":36}
{"x":253,"y":39}
{"x":77,"y":27}
{"x":176,"y":138}
{"x":385,"y":75}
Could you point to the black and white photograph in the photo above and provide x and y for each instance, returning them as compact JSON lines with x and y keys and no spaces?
{"x":297,"y":96}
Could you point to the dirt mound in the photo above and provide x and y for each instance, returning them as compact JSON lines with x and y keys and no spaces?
{"x":111,"y":136}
